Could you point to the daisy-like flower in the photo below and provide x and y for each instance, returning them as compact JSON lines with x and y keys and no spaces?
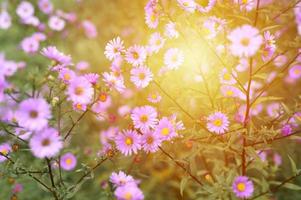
{"x":226,"y":77}
{"x":231,"y":91}
{"x":45,"y":6}
{"x":152,"y":14}
{"x":295,"y":72}
{"x":156,"y":42}
{"x":56,"y":23}
{"x":154,"y":97}
{"x":66,"y":75}
{"x":243,"y":187}
{"x":217,"y":123}
{"x":52,"y":53}
{"x":82,"y":65}
{"x":128,"y":142}
{"x":46,"y":143}
{"x":5,"y":20}
{"x":80,"y":90}
{"x":245,"y":41}
{"x":129,"y":192}
{"x":187,"y":5}
{"x":33,"y":114}
{"x":79,"y":107}
{"x":121,"y":179}
{"x":171,"y":31}
{"x":165,"y":129}
{"x":92,"y":78}
{"x":114,"y":48}
{"x":205,"y":5}
{"x":113,"y":81}
{"x":90,"y":29}
{"x":173,"y":58}
{"x":5,"y":149}
{"x":141,"y":76}
{"x":136,"y":55}
{"x":30,"y":45}
{"x":25,"y":10}
{"x":144,"y":118}
{"x":68,"y":161}
{"x":151,"y":141}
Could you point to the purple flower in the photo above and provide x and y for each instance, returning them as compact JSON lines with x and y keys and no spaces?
{"x":56,"y":23}
{"x":128,"y":142}
{"x":5,"y":20}
{"x":165,"y":129}
{"x":129,"y":192}
{"x":30,"y":45}
{"x":45,"y":6}
{"x":46,"y":143}
{"x":151,"y":141}
{"x":80,"y":90}
{"x":243,"y":187}
{"x":144,"y":117}
{"x":52,"y":53}
{"x":33,"y":114}
{"x":5,"y":149}
{"x":121,"y":179}
{"x":25,"y":10}
{"x":68,"y":161}
{"x":217,"y":123}
{"x":90,"y":29}
{"x":286,"y":129}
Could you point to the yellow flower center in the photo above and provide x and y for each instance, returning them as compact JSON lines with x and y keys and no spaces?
{"x":241,"y":187}
{"x":217,"y":122}
{"x":68,"y":161}
{"x":127,"y":196}
{"x":297,"y":71}
{"x":4,"y":151}
{"x":154,"y":96}
{"x":79,"y":90}
{"x":129,"y":141}
{"x":141,"y":76}
{"x":135,"y":55}
{"x":165,"y":131}
{"x":102,"y":97}
{"x":229,"y":93}
{"x":244,"y":1}
{"x":79,"y":106}
{"x":204,"y":3}
{"x":143,"y":118}
{"x":33,"y":114}
{"x":67,"y":77}
{"x":245,"y":42}
{"x":150,"y":140}
{"x":227,"y":76}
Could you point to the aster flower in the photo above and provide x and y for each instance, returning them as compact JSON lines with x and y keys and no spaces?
{"x":25,"y":10}
{"x":66,"y":75}
{"x":5,"y":149}
{"x":144,"y":117}
{"x":171,"y":31}
{"x":80,"y":90}
{"x":227,"y":77}
{"x":165,"y":129}
{"x":30,"y":45}
{"x":129,"y":192}
{"x":152,"y":14}
{"x":243,"y":187}
{"x":114,"y":82}
{"x":52,"y":53}
{"x":46,"y":143}
{"x":173,"y":58}
{"x":56,"y":23}
{"x":245,"y":41}
{"x":187,"y":5}
{"x":156,"y":42}
{"x":128,"y":142}
{"x":45,"y":6}
{"x":5,"y":20}
{"x":33,"y":114}
{"x":82,"y":65}
{"x":217,"y":123}
{"x":141,"y":76}
{"x":114,"y":48}
{"x":154,"y":97}
{"x":68,"y":161}
{"x":136,"y":55}
{"x":90,"y":29}
{"x":92,"y":78}
{"x":231,"y":91}
{"x":205,"y":6}
{"x":295,"y":72}
{"x":151,"y":141}
{"x":104,"y":102}
{"x":121,"y":179}
{"x":79,"y":107}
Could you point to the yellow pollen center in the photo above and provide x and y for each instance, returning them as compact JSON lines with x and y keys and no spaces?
{"x":297,"y":71}
{"x":128,"y":196}
{"x":102,"y":97}
{"x":229,"y":93}
{"x":241,"y":187}
{"x":227,"y":76}
{"x":217,"y":122}
{"x":4,"y":151}
{"x":79,"y":90}
{"x":245,"y":41}
{"x":68,"y":161}
{"x":153,"y":18}
{"x":154,"y":96}
{"x":141,"y":76}
{"x":150,"y":140}
{"x":135,"y":55}
{"x":143,"y":118}
{"x":244,"y":1}
{"x":165,"y":131}
{"x":128,"y":141}
{"x":67,"y":77}
{"x":79,"y":106}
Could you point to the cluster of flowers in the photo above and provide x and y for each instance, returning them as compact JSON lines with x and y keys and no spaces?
{"x":126,"y":187}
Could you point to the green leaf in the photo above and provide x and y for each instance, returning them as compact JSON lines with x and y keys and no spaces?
{"x":293,"y":164}
{"x":183,"y":184}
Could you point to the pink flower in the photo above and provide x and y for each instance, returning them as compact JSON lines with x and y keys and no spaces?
{"x":243,"y":187}
{"x":128,"y":142}
{"x":295,"y":72}
{"x":150,"y":141}
{"x":152,"y":14}
{"x":121,"y":179}
{"x":52,"y":53}
{"x":56,"y":23}
{"x":92,"y":78}
{"x":66,"y":75}
{"x":231,"y":91}
{"x":129,"y":192}
{"x":114,"y":48}
{"x":45,"y":6}
{"x":171,"y":31}
{"x":245,"y":41}
{"x":80,"y":90}
{"x":30,"y":45}
{"x":46,"y":143}
{"x":173,"y":58}
{"x":33,"y":114}
{"x":227,"y":77}
{"x":25,"y":10}
{"x":154,"y":97}
{"x":82,"y":65}
{"x":217,"y":123}
{"x":136,"y":55}
{"x":144,"y":117}
{"x":187,"y":5}
{"x":5,"y":20}
{"x":68,"y":161}
{"x":205,"y":6}
{"x":141,"y":76}
{"x":165,"y":129}
{"x":5,"y":149}
{"x":156,"y":42}
{"x":90,"y":29}
{"x":114,"y":82}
